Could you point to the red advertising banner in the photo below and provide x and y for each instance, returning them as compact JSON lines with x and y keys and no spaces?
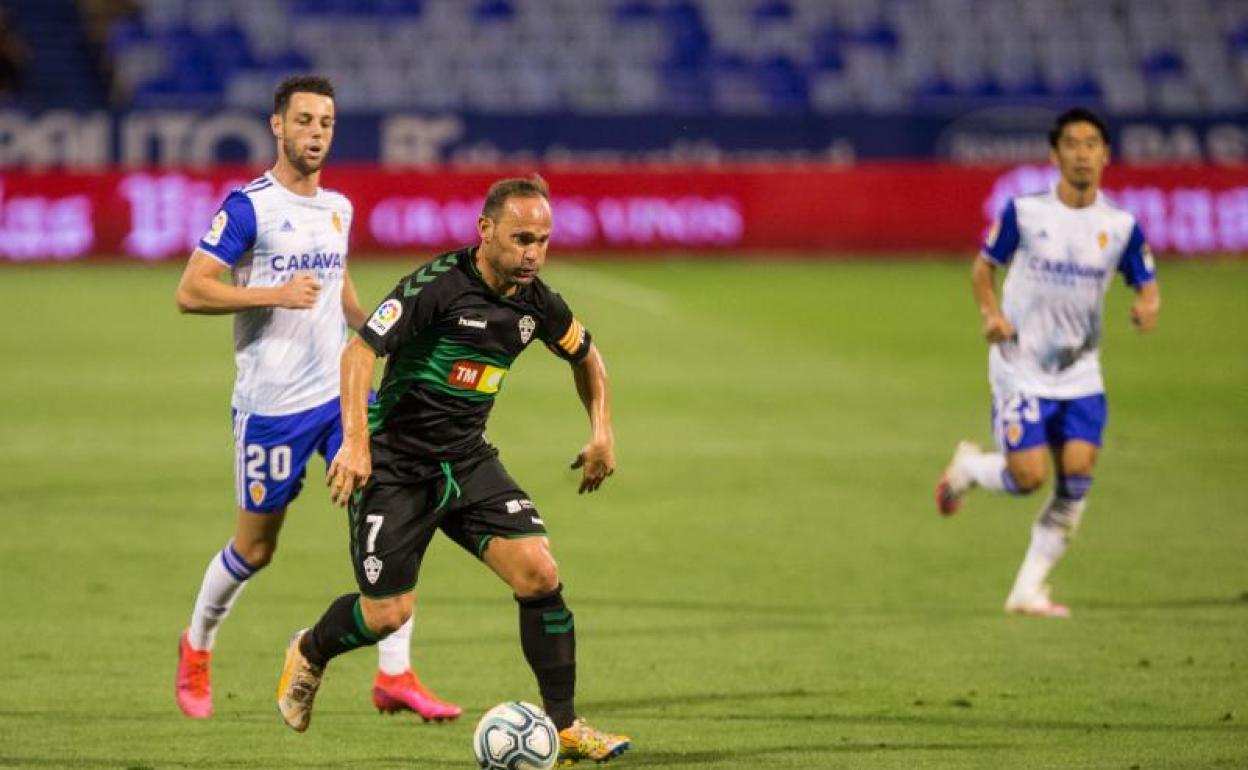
{"x":154,"y":215}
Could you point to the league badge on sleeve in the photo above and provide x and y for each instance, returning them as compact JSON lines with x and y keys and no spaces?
{"x":385,"y":316}
{"x":213,"y":237}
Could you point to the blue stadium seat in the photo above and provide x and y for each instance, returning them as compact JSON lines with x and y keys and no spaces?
{"x":700,"y":55}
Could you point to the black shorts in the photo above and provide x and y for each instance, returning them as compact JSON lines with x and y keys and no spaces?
{"x":393,"y":523}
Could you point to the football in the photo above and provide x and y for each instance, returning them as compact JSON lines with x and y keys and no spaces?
{"x":515,"y":736}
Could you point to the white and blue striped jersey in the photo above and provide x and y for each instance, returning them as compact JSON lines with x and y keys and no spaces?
{"x":287,"y":360}
{"x":1061,"y":261}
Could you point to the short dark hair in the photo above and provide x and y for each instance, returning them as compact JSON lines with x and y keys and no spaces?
{"x":521,"y":186}
{"x":310,"y":84}
{"x":1077,"y":115}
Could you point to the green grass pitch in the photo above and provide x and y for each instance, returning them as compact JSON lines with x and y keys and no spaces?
{"x":763,"y":584}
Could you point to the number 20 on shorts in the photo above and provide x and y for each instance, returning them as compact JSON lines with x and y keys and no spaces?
{"x":276,"y":458}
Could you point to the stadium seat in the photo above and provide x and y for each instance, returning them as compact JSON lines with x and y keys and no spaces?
{"x":706,"y":56}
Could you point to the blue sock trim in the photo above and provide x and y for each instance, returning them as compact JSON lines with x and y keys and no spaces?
{"x":235,"y":564}
{"x":1007,"y":481}
{"x":1073,"y":487}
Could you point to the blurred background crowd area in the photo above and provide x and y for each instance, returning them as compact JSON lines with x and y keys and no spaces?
{"x":617,"y":57}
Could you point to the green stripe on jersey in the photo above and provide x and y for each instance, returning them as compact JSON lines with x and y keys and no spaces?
{"x":430,"y":360}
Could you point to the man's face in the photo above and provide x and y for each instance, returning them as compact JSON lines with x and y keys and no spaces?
{"x":305,"y":131}
{"x":1081,"y":155}
{"x":514,"y":246}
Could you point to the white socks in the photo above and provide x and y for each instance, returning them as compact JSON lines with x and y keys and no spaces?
{"x":987,"y":470}
{"x":224,"y":579}
{"x":394,"y":651}
{"x":1050,"y":535}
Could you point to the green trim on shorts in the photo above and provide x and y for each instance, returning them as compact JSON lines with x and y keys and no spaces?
{"x":481,"y":546}
{"x":518,"y":536}
{"x":451,"y":486}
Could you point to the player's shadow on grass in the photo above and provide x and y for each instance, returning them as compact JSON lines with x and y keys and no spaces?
{"x":701,"y":699}
{"x":674,"y":605}
{"x":720,"y":628}
{"x":961,"y":720}
{"x":1239,"y":602}
{"x":650,"y":758}
{"x":121,"y":763}
{"x":677,"y":707}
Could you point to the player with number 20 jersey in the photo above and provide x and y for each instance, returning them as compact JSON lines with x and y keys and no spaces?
{"x":283,"y":241}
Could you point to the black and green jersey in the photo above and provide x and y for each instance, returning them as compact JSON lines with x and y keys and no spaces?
{"x":451,"y":340}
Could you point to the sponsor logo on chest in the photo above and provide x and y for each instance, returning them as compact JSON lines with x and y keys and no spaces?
{"x":470,"y":375}
{"x":319,"y":261}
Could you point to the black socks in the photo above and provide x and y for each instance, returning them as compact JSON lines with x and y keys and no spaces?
{"x":341,"y":629}
{"x":548,"y":639}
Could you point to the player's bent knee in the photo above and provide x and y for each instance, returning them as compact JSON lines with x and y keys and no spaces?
{"x":546,"y":579}
{"x":525,"y":565}
{"x":388,"y":624}
{"x":1027,"y":478}
{"x":385,"y":616}
{"x":536,"y":578}
{"x":257,"y":554}
{"x":1028,"y":483}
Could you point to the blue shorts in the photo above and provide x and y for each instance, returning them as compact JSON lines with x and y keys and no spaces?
{"x":271,"y":453}
{"x":1023,"y":422}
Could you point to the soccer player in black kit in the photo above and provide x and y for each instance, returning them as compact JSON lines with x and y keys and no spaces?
{"x":417,"y":460}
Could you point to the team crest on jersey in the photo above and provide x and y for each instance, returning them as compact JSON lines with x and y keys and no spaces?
{"x":213,"y":237}
{"x":256,"y":490}
{"x":372,"y":569}
{"x":385,"y":316}
{"x":336,"y":221}
{"x":1102,"y":239}
{"x":527,"y":325}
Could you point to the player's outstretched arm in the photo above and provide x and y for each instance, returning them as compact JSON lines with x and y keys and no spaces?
{"x":202,"y":289}
{"x":597,"y":458}
{"x":996,"y":327}
{"x":1147,"y":306}
{"x":353,"y":464}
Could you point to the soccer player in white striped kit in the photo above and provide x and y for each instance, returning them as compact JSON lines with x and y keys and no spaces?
{"x":1062,"y":248}
{"x":284,"y":239}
